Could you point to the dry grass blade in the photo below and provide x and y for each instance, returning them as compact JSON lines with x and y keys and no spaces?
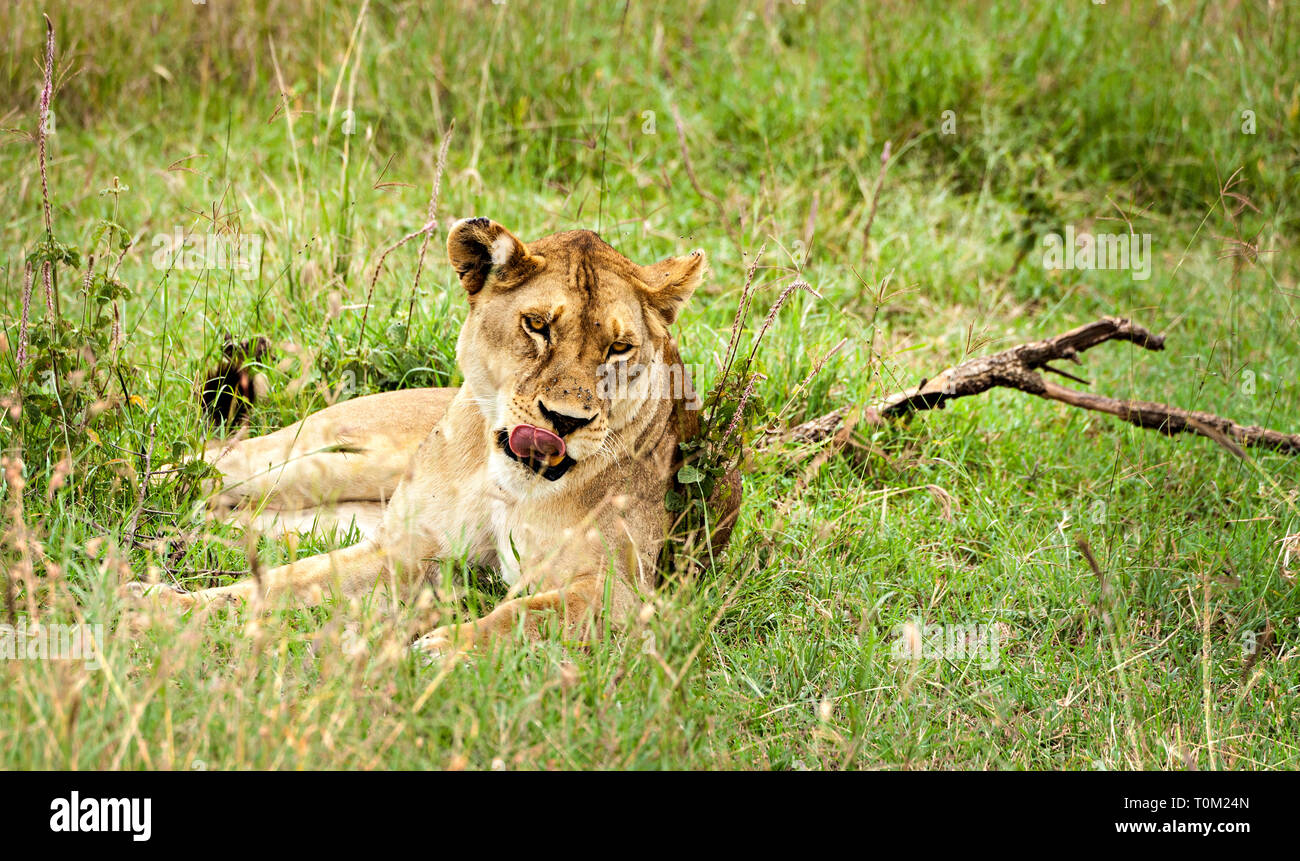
{"x":875,"y":197}
{"x":47,"y":92}
{"x":430,"y":225}
{"x":23,"y":334}
{"x":431,"y":217}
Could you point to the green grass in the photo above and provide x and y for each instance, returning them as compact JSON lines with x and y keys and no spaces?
{"x":781,"y":657}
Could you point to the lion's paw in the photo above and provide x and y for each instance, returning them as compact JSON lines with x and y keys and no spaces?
{"x":156,"y":593}
{"x":436,"y":647}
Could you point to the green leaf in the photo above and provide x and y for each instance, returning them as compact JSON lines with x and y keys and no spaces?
{"x":689,"y":475}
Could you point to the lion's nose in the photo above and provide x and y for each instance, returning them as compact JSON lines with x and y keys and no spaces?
{"x":564,"y":424}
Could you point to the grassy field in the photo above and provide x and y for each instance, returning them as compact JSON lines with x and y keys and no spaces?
{"x":314,"y":129}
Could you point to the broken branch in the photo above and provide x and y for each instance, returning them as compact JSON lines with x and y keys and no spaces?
{"x":1019,"y":367}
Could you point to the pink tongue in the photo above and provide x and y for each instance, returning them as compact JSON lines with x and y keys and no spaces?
{"x":527,"y":441}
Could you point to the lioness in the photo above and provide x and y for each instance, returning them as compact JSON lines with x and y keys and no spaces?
{"x":537,"y":465}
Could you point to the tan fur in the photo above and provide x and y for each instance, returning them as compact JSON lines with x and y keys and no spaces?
{"x":424,"y":470}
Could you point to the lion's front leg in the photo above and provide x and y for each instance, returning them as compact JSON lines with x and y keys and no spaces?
{"x":399,"y":554}
{"x":578,"y":609}
{"x":349,"y":571}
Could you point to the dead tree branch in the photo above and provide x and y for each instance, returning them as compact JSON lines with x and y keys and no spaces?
{"x":1019,"y":368}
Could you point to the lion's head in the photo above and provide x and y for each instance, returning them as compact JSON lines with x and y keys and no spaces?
{"x":564,"y":344}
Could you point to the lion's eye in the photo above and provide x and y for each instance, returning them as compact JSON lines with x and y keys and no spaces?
{"x":620,"y":348}
{"x":537,"y":325}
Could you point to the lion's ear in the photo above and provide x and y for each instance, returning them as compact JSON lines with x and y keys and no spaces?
{"x":479,"y":247}
{"x":669,"y":283}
